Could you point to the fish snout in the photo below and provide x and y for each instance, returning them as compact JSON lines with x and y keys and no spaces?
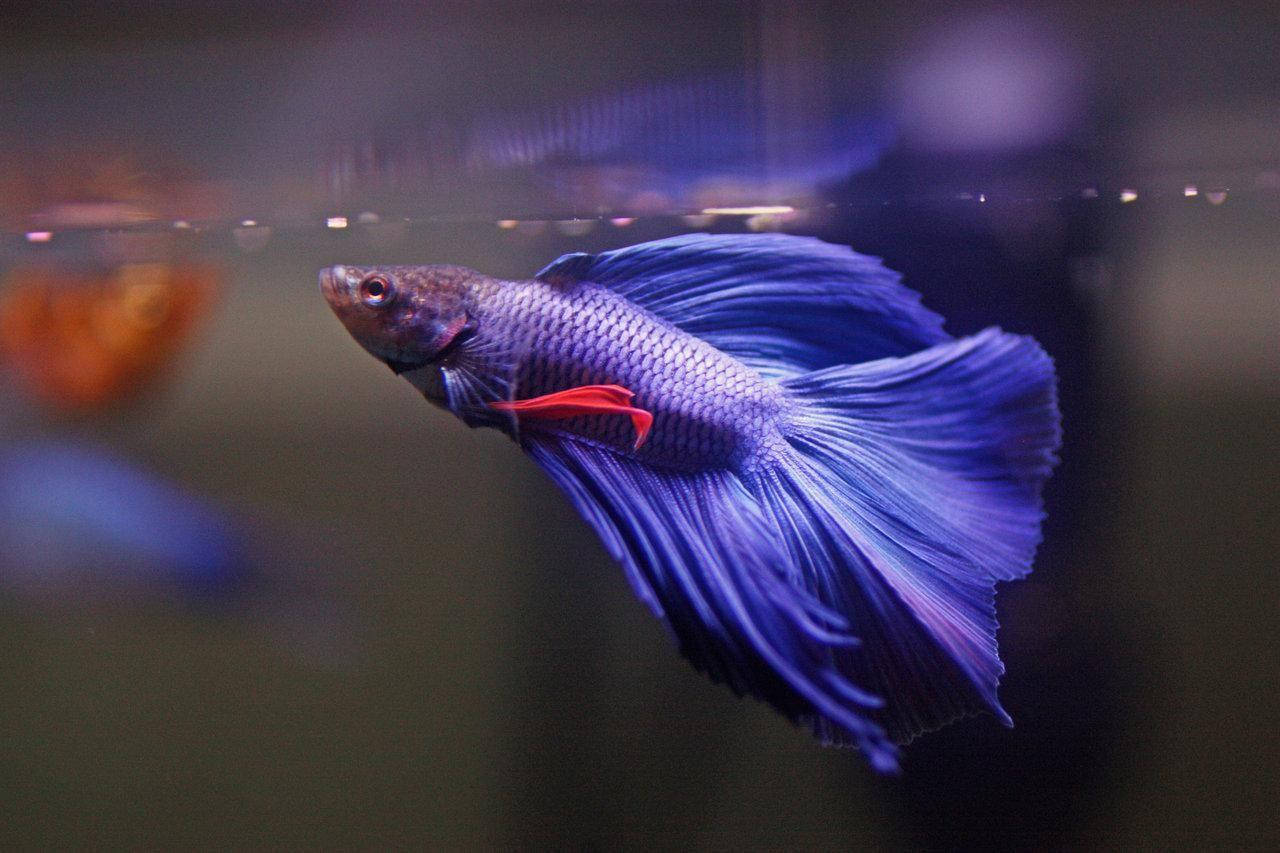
{"x":334,"y":284}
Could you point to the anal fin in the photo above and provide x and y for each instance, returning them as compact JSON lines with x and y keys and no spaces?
{"x":698,"y":550}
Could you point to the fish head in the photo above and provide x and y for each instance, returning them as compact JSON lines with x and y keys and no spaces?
{"x":406,"y":316}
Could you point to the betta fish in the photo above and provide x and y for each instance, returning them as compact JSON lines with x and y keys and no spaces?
{"x":812,"y":484}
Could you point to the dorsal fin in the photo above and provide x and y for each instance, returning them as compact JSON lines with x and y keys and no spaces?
{"x":783,"y":304}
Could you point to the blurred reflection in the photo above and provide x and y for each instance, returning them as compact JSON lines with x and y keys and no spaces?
{"x":81,"y":340}
{"x":687,"y":144}
{"x":76,"y":522}
{"x":66,"y":186}
{"x":681,"y":145}
{"x":1000,"y":80}
{"x":81,"y":528}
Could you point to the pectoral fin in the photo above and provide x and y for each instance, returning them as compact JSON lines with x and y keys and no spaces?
{"x":583,"y":400}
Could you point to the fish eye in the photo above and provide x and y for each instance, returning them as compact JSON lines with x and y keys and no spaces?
{"x":376,"y":291}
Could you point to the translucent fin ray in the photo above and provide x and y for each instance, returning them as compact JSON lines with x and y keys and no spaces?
{"x":913,"y":486}
{"x":697,"y":549}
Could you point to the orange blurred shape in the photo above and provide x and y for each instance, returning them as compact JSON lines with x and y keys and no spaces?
{"x":81,"y":341}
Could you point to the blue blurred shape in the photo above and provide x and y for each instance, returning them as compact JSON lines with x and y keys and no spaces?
{"x":689,"y":128}
{"x":686,"y":138}
{"x":639,"y":147}
{"x":80,"y":522}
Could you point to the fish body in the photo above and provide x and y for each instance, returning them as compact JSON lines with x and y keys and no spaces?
{"x":800,"y":471}
{"x":709,"y":409}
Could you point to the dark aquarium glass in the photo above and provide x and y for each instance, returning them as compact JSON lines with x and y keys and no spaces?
{"x":254,"y":591}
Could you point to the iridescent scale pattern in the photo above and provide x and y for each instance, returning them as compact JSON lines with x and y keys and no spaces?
{"x":709,"y":409}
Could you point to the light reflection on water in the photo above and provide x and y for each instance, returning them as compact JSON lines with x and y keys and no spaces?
{"x":383,"y":231}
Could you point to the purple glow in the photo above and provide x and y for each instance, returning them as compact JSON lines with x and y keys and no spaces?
{"x":996,"y":82}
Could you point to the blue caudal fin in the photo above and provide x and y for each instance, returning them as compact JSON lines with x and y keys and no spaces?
{"x":848,"y":580}
{"x":912,"y":486}
{"x":698,"y":550}
{"x":785,"y":305}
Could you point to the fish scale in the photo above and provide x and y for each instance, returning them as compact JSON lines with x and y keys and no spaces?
{"x":708,"y":408}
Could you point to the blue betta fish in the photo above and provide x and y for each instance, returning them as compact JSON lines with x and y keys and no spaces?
{"x":799,"y":470}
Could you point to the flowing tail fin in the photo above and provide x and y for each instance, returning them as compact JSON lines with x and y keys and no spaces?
{"x":697,"y":550}
{"x":911,"y":485}
{"x":848,"y":577}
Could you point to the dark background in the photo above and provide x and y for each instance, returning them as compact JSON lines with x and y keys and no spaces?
{"x":476,"y":672}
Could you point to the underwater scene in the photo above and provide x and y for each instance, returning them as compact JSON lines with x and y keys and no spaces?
{"x":846,"y":425}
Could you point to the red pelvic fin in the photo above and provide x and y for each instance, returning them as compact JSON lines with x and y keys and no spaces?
{"x":583,"y":400}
